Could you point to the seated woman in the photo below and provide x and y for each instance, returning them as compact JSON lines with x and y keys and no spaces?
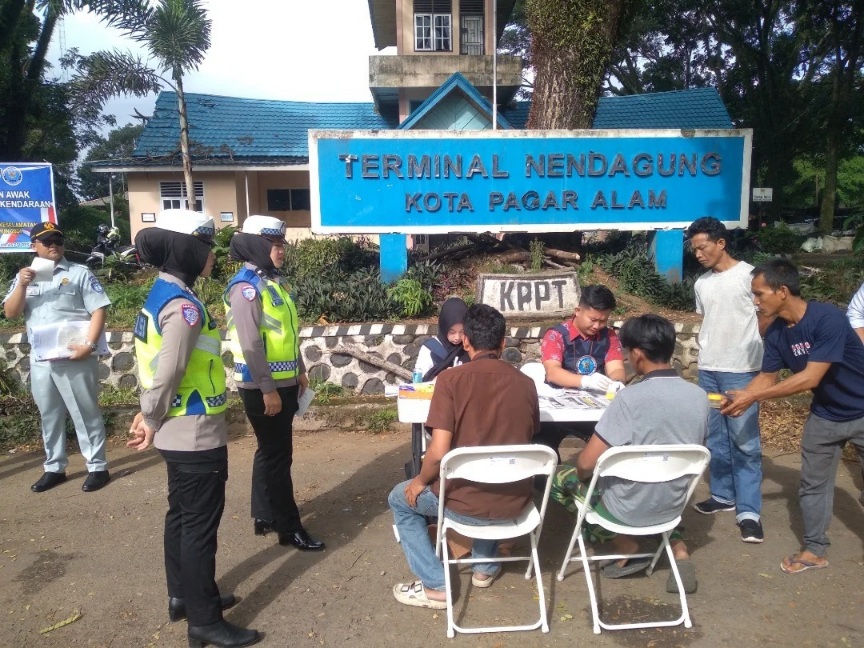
{"x":445,"y":350}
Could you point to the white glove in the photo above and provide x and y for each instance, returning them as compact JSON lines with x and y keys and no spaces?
{"x":614,"y":387}
{"x":596,"y":381}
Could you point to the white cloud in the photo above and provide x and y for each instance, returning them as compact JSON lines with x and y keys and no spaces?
{"x":298,"y":50}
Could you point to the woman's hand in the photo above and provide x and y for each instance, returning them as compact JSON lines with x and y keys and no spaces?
{"x":142,"y":436}
{"x":272,"y":403}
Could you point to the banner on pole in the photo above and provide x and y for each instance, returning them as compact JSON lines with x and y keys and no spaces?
{"x":26,"y":199}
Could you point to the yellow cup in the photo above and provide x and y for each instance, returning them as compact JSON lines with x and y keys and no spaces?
{"x":715,"y":400}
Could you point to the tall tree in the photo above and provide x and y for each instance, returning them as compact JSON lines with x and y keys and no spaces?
{"x":571,"y":46}
{"x":176,"y":33}
{"x":836,"y":30}
{"x":119,"y":144}
{"x":26,"y":30}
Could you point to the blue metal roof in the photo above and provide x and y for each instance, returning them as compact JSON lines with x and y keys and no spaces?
{"x":228,"y":128}
{"x":456,"y":83}
{"x":232,"y":130}
{"x":695,"y":108}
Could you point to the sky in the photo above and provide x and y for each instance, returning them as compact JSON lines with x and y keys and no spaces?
{"x":298,"y":50}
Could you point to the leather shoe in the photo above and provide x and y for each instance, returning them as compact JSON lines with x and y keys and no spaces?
{"x":48,"y":480}
{"x":302,"y":540}
{"x":222,"y":635}
{"x":96,"y":480}
{"x":263,"y":527}
{"x":177,"y":606}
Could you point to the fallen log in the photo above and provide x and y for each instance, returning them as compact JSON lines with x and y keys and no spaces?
{"x":386,"y":365}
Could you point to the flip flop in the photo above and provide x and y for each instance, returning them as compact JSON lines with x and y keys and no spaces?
{"x":414,"y":594}
{"x":795,"y":559}
{"x":688,"y":578}
{"x":612,"y":570}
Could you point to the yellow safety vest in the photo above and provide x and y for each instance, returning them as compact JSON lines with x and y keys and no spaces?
{"x":202,"y":390}
{"x":278,"y":328}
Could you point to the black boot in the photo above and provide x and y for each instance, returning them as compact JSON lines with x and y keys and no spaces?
{"x":222,"y":635}
{"x":177,"y":606}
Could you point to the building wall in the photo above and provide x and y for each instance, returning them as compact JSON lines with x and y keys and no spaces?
{"x":282,"y":180}
{"x":220,"y":195}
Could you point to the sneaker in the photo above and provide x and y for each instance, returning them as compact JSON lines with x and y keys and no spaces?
{"x":712,"y":506}
{"x":751,"y":531}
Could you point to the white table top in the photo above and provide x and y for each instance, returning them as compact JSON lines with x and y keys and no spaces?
{"x":572,"y":405}
{"x":560,"y":405}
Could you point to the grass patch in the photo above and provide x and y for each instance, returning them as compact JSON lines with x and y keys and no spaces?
{"x":325,"y":391}
{"x":377,"y":421}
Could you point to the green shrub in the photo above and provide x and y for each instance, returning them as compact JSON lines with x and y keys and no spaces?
{"x":410,"y":296}
{"x":325,"y":391}
{"x":536,"y":247}
{"x":636,"y":274}
{"x":780,"y":240}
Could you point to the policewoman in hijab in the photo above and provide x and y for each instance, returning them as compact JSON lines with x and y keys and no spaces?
{"x":445,"y":350}
{"x":183,"y":400}
{"x":269,"y":373}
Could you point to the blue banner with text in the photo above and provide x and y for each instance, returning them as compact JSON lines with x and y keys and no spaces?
{"x":430,"y":181}
{"x":26,"y":199}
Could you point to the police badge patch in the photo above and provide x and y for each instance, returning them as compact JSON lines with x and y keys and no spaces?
{"x":190,"y":314}
{"x":586,"y":365}
{"x":249,"y":293}
{"x":95,"y":285}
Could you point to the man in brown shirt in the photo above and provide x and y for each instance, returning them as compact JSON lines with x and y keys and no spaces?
{"x":482,"y":403}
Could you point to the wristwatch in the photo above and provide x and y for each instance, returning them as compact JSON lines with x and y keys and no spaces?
{"x":92,"y":346}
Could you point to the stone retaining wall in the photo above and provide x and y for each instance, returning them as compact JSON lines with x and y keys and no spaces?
{"x":397,"y":343}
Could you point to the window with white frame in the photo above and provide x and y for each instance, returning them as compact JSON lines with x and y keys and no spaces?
{"x":172,"y":195}
{"x":432,"y":26}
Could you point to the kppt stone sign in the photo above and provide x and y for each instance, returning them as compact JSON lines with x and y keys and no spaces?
{"x":536,"y":295}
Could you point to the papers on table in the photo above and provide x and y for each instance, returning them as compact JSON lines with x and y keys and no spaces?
{"x":51,"y":341}
{"x":565,"y":399}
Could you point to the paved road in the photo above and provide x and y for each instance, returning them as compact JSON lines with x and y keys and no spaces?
{"x":100,"y":555}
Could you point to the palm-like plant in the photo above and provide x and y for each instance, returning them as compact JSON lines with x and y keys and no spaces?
{"x":176,"y":34}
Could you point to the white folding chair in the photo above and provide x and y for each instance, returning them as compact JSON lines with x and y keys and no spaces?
{"x":649,"y":464}
{"x":496,"y":465}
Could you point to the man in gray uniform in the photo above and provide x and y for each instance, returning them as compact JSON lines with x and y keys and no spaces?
{"x":72,"y":295}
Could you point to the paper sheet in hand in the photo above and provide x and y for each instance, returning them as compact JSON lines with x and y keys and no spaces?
{"x":304,"y":401}
{"x":44,"y":269}
{"x":51,"y":341}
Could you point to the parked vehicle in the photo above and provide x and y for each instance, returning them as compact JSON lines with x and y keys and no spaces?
{"x":107,"y":246}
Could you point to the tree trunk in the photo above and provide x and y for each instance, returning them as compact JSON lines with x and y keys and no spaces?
{"x":572,"y":43}
{"x":184,"y":144}
{"x":826,"y":209}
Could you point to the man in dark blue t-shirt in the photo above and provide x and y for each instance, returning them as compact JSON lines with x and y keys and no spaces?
{"x":818,"y":344}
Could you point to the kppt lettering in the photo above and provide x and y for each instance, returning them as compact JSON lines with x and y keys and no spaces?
{"x":520,"y":295}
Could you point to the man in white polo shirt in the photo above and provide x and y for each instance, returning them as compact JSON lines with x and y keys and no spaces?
{"x":730,"y":356}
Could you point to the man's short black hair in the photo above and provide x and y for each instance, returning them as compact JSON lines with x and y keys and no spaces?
{"x":653,"y":334}
{"x":597,"y":297}
{"x":484,"y":327}
{"x":778,"y":273}
{"x":710,"y":226}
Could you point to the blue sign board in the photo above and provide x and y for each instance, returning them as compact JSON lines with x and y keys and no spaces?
{"x":26,"y":199}
{"x":529,"y":181}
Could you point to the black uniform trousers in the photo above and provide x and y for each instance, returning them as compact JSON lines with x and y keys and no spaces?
{"x":196,"y":499}
{"x":272,"y":487}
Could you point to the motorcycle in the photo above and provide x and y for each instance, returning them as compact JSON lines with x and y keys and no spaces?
{"x":107,"y":247}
